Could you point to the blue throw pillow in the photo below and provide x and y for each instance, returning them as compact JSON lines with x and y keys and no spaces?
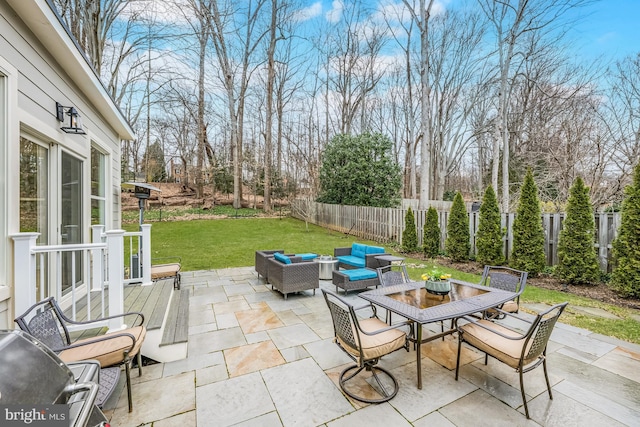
{"x":307,"y":256}
{"x":282,"y":258}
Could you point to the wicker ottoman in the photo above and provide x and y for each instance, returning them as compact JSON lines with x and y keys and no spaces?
{"x":360,"y":278}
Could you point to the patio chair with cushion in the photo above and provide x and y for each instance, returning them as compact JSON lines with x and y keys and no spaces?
{"x":521,"y":351}
{"x":167,"y":270}
{"x":261,"y":264}
{"x":290,"y":274}
{"x":365,"y":341}
{"x":47,"y":323}
{"x":390,"y":275}
{"x":507,"y":279}
{"x":393,"y":274}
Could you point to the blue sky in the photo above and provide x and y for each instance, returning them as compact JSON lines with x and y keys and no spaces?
{"x":607,"y":28}
{"x":610,"y":28}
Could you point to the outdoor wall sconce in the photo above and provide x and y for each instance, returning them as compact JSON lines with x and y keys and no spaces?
{"x":75,"y":125}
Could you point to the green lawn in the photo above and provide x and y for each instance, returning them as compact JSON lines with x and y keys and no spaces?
{"x":232,"y":242}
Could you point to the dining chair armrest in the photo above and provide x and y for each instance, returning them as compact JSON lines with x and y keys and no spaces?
{"x":513,"y":315}
{"x":388,"y":328}
{"x":139,"y":317}
{"x":367,"y":305}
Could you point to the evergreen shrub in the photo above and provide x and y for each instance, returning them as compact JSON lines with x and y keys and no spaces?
{"x":528,"y":234}
{"x":625,"y":278}
{"x":489,"y":234}
{"x":431,"y":234}
{"x":577,"y":258}
{"x":409,"y":235}
{"x":457,"y":244}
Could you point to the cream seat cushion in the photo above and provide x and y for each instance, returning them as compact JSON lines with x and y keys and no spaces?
{"x":375,"y":346}
{"x":161,"y":271}
{"x":503,"y":349}
{"x":109,"y":351}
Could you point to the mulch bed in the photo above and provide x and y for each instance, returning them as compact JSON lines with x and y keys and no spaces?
{"x":599,"y":292}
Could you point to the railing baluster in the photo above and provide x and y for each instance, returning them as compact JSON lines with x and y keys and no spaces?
{"x":58,"y":276}
{"x":73,"y":285}
{"x":90,"y":281}
{"x":43,"y":284}
{"x":99,"y":270}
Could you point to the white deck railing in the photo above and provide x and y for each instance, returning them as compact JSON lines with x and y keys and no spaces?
{"x":89,"y":268}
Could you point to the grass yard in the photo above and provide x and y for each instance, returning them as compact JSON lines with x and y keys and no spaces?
{"x":232,"y":242}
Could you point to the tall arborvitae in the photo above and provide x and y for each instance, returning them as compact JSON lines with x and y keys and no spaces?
{"x":431,"y":234}
{"x":457,"y":244}
{"x":577,"y":258}
{"x":489,"y":235}
{"x":409,"y":235}
{"x":528,"y":234}
{"x":625,"y":278}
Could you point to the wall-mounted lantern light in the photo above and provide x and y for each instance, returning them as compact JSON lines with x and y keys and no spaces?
{"x":74,"y":123}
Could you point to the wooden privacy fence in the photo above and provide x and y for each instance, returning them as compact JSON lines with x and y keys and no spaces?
{"x":386,"y":225}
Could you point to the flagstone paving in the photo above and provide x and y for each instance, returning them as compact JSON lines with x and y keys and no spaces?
{"x":255,"y":359}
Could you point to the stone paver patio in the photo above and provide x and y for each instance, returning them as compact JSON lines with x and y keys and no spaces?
{"x":255,"y":359}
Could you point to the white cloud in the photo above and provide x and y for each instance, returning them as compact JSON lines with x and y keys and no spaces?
{"x":308,"y":13}
{"x":334,"y":15}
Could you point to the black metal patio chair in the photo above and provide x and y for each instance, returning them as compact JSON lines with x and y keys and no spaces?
{"x":521,"y":351}
{"x":365,"y":341}
{"x":47,"y":323}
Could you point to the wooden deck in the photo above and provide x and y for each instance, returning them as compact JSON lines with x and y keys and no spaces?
{"x":152,"y":301}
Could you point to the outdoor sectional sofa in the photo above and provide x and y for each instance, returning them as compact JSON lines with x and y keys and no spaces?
{"x":290,"y":274}
{"x":358,"y":255}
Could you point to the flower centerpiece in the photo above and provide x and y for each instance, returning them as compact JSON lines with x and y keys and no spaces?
{"x":436,"y":281}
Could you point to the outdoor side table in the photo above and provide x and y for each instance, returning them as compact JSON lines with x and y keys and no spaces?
{"x":327,"y":265}
{"x":384,"y":260}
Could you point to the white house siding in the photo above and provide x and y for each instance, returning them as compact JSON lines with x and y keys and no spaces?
{"x":33,"y":76}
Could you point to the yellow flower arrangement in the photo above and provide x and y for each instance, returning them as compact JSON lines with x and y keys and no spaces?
{"x":435,"y":275}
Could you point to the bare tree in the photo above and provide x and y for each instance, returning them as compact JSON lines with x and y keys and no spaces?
{"x":235,"y":75}
{"x":91,"y":22}
{"x":513,"y":21}
{"x":402,"y":32}
{"x":455,"y":65}
{"x":355,"y":43}
{"x":621,"y":117}
{"x":422,"y":19}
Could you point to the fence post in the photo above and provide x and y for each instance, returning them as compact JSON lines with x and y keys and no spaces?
{"x":115,"y":251}
{"x":97,"y":259}
{"x":146,"y":254}
{"x":24,"y":267}
{"x":602,"y":242}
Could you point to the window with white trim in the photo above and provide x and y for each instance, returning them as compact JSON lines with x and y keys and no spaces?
{"x":98,"y":186}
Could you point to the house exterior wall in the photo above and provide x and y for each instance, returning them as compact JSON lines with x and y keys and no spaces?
{"x":32,"y":80}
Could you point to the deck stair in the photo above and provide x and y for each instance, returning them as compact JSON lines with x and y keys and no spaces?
{"x":166,"y":313}
{"x":176,"y":329}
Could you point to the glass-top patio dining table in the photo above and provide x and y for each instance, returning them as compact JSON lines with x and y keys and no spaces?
{"x":414,"y":302}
